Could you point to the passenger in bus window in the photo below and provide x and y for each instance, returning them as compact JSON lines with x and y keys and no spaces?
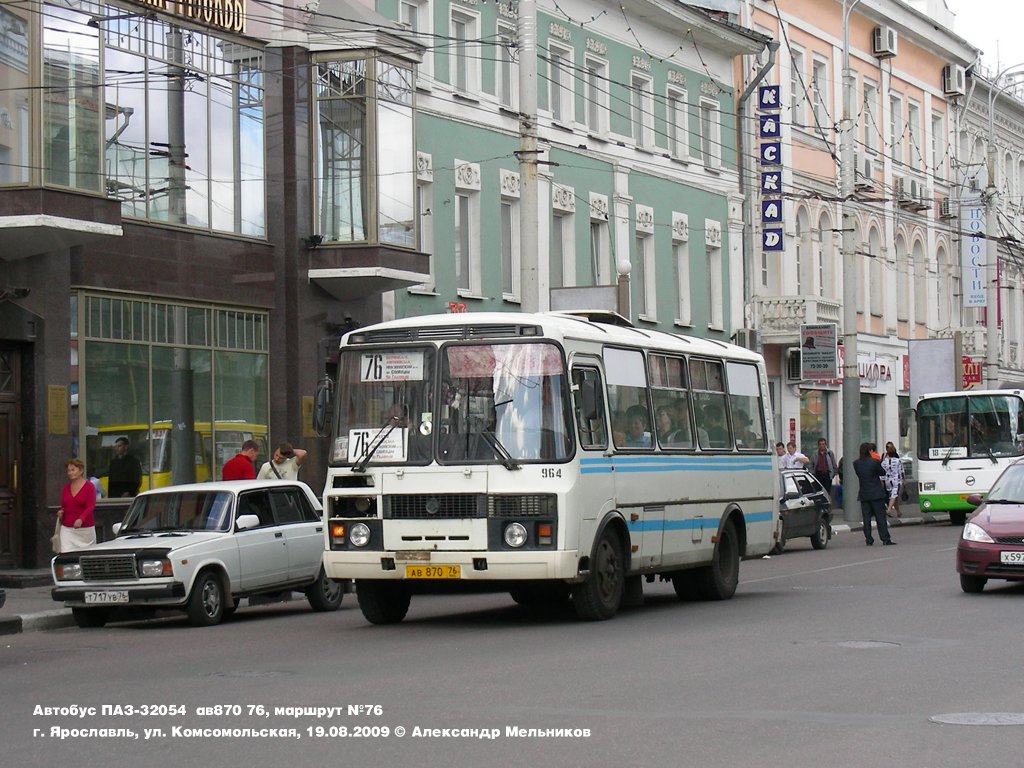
{"x":681,"y":436}
{"x":664,"y":422}
{"x":716,"y":433}
{"x":637,"y":433}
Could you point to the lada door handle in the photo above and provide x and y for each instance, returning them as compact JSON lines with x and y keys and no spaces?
{"x":279,"y":534}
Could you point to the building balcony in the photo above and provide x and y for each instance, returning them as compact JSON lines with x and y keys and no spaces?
{"x":355,"y":272}
{"x":779,"y":318}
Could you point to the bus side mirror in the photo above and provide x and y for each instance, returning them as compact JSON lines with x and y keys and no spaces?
{"x":323,"y":406}
{"x":589,"y":397}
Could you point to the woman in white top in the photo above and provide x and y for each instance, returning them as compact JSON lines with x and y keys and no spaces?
{"x":894,"y":476}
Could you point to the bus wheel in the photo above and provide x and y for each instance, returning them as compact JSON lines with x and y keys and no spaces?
{"x":972,"y":584}
{"x":548,"y":594}
{"x":383,"y":602}
{"x":958,"y":517}
{"x":685,"y":585}
{"x":718,"y":581}
{"x":600,"y":595}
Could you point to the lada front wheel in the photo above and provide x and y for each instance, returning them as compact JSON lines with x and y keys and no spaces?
{"x":325,"y":594}
{"x":206,"y":603}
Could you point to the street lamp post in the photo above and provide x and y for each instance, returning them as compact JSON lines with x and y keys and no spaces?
{"x":851,"y":376}
{"x":991,"y":242}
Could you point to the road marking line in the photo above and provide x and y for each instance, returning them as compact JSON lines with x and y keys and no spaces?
{"x":818,"y":570}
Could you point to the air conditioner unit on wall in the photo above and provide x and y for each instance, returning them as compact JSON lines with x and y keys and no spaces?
{"x":793,"y":364}
{"x":946,"y":209}
{"x":748,"y":338}
{"x":901,"y":189}
{"x":883,"y":43}
{"x":864,"y":177}
{"x":954,"y":80}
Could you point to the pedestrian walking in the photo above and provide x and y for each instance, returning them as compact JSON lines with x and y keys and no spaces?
{"x":77,"y":504}
{"x":894,"y":479}
{"x":872,"y":495}
{"x":825,"y":465}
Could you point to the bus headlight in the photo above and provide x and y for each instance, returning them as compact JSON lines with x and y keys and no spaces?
{"x":515,"y":535}
{"x":359,"y":535}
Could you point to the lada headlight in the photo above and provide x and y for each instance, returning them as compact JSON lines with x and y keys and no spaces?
{"x":152,"y":568}
{"x":69,"y":571}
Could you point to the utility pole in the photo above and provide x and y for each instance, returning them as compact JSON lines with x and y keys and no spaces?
{"x":529,"y":281}
{"x":851,"y":375}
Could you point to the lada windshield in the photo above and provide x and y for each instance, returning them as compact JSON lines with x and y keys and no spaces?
{"x":475,"y":403}
{"x":190,"y":511}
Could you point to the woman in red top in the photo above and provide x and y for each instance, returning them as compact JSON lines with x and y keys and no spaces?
{"x":77,"y":502}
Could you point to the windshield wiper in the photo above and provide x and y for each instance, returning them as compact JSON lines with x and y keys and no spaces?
{"x":501,"y":450}
{"x":385,"y":429}
{"x":949,"y":454}
{"x":991,"y":455}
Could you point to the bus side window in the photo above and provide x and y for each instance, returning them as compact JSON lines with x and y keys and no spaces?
{"x":588,"y":401}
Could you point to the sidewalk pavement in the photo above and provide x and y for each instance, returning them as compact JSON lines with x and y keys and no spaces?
{"x":30,"y":608}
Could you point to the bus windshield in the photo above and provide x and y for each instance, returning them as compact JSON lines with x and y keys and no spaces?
{"x":483,"y":403}
{"x":964,"y":426}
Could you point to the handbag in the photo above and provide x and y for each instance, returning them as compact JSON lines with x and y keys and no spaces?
{"x":55,"y":539}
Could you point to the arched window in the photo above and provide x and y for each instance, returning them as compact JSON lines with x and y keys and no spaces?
{"x":901,"y":268}
{"x":802,"y":242}
{"x":875,"y":266}
{"x":943,"y":298}
{"x":919,"y":274}
{"x":826,"y":258}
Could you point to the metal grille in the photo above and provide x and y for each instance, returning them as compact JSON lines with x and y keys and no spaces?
{"x":529,"y":505}
{"x":1018,"y":540}
{"x":108,"y":567}
{"x":442,"y":333}
{"x":433,"y":507}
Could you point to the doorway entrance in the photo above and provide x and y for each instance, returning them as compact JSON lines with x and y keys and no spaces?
{"x":10,"y":469}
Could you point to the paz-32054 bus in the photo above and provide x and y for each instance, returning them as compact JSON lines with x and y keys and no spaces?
{"x":558,"y":456}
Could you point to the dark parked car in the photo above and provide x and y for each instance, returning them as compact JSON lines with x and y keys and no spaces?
{"x":992,"y":543}
{"x":805,"y":509}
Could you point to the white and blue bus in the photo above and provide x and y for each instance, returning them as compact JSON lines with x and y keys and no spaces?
{"x":558,"y":456}
{"x":964,"y":441}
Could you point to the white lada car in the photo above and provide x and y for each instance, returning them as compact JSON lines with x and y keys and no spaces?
{"x":201,"y":548}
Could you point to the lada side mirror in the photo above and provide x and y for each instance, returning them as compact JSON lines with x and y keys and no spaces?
{"x":974,"y":500}
{"x":115,"y":528}
{"x":247,"y":521}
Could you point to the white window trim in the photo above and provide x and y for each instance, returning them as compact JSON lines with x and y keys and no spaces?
{"x":467,"y":182}
{"x":679,"y":145}
{"x":510,"y":187}
{"x":645,"y":93}
{"x":563,"y":207}
{"x":506,"y":30}
{"x":599,"y":131}
{"x":714,"y":141}
{"x":472,"y":50}
{"x":424,"y":29}
{"x":797,"y":95}
{"x":562,"y":80}
{"x":822,"y":102}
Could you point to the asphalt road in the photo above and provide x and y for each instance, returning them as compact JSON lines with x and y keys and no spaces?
{"x":847,"y":657}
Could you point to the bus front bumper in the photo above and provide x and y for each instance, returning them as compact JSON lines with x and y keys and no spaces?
{"x":472,"y":566}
